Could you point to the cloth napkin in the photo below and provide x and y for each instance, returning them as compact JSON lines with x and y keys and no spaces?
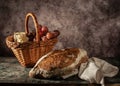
{"x":96,"y":69}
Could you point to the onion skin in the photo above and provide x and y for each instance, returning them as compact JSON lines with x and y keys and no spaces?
{"x":50,"y":35}
{"x":45,"y":34}
{"x":56,"y":33}
{"x":44,"y":29}
{"x":44,"y":38}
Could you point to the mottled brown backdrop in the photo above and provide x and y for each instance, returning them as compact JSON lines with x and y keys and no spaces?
{"x":90,"y":24}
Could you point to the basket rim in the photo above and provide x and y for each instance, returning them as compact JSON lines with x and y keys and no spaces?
{"x":13,"y":44}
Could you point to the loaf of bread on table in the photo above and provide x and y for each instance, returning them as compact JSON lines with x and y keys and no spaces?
{"x":59,"y":63}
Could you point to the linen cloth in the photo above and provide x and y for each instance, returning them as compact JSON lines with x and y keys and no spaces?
{"x":96,"y":69}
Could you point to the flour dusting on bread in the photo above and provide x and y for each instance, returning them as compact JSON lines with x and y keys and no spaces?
{"x":60,"y":63}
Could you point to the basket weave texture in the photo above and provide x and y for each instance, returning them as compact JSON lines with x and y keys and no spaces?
{"x":29,"y":52}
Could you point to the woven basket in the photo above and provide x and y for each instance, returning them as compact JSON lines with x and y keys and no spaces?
{"x":28,"y":53}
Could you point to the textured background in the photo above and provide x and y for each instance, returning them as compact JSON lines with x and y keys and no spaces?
{"x":90,"y":24}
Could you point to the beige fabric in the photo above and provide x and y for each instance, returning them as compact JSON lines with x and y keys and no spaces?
{"x":96,"y":69}
{"x":108,"y":69}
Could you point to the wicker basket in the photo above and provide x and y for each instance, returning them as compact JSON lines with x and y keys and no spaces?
{"x":28,"y":53}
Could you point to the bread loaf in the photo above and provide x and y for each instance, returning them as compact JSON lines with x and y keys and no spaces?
{"x":59,"y":63}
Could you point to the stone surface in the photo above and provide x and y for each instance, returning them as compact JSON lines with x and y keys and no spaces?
{"x":12,"y":72}
{"x":90,"y":24}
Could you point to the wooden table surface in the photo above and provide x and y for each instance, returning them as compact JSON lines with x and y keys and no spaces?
{"x":12,"y":72}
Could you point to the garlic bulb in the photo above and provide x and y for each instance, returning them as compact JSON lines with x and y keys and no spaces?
{"x":20,"y":37}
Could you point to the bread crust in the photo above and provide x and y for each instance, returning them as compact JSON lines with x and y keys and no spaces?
{"x":59,"y":59}
{"x":59,"y":63}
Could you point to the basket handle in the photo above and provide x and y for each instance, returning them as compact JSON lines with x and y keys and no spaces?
{"x":37,"y":38}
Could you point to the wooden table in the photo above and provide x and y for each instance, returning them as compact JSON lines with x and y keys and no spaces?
{"x":11,"y":72}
